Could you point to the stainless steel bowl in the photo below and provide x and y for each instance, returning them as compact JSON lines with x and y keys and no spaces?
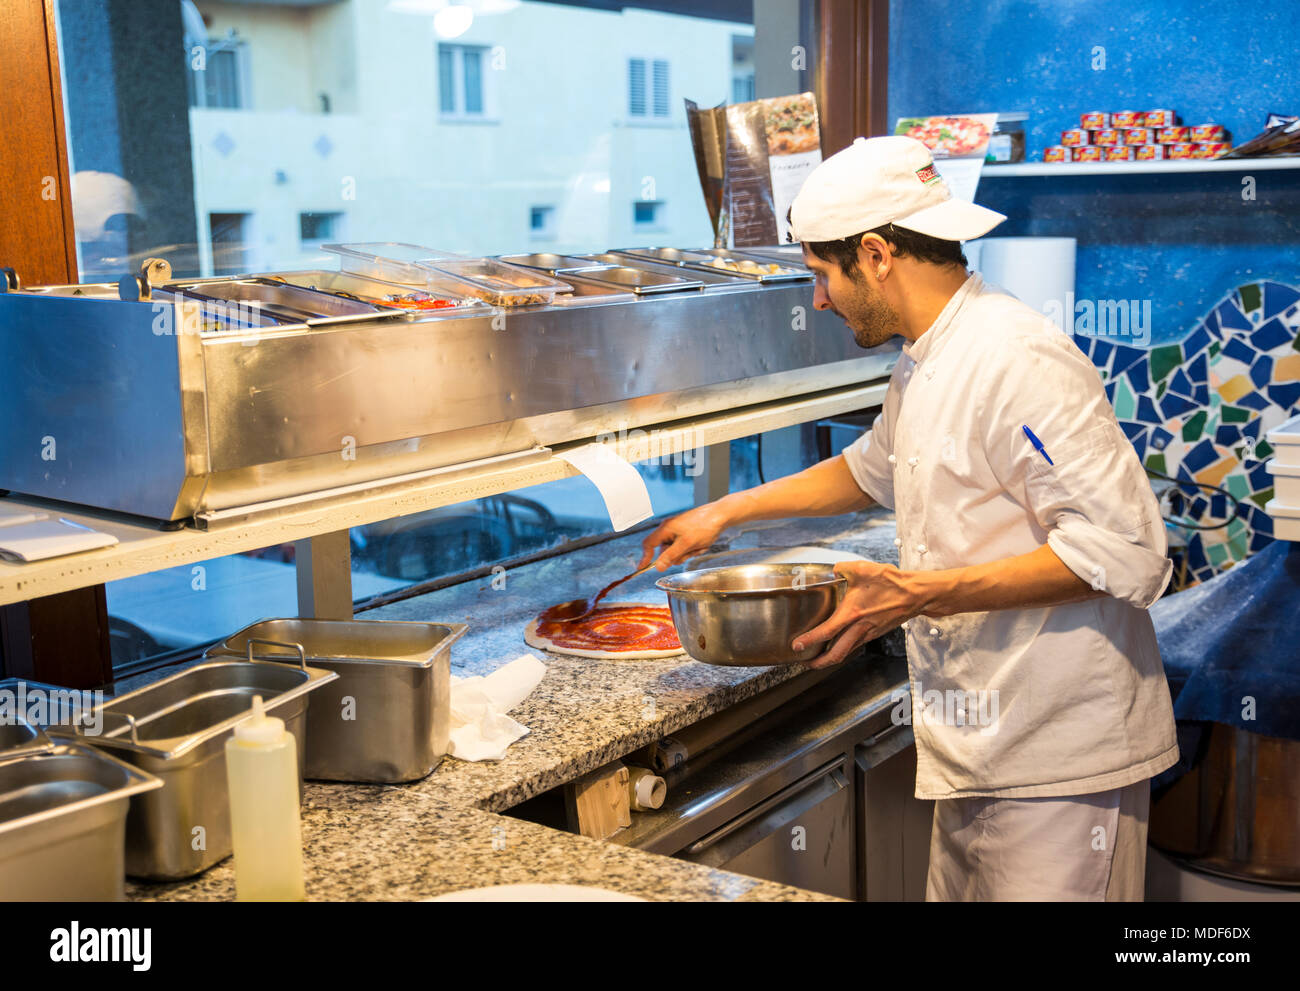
{"x":748,"y":615}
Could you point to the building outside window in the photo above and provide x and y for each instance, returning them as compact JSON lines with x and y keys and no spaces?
{"x":219,"y":76}
{"x":461,"y":80}
{"x":350,"y":127}
{"x":541,"y":222}
{"x":228,"y":233}
{"x":647,"y":89}
{"x":648,"y":215}
{"x":316,"y":228}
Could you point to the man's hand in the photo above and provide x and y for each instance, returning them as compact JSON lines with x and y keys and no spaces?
{"x":879,"y":598}
{"x":682,"y":536}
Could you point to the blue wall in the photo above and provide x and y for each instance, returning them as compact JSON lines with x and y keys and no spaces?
{"x":1180,"y":241}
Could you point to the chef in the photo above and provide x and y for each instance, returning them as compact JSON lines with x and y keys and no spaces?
{"x":1030,"y":545}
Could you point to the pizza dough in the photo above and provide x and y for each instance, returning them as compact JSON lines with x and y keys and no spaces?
{"x":643,"y":628}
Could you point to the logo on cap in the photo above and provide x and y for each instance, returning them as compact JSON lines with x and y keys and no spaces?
{"x":927,"y":174}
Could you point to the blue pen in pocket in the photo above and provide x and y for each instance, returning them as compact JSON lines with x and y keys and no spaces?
{"x":1038,"y":445}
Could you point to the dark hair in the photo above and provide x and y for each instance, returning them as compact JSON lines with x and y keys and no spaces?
{"x":904,"y":243}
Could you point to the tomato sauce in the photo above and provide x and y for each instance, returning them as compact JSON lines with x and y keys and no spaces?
{"x":613,"y":628}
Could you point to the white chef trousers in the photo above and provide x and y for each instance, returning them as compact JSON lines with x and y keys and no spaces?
{"x":1077,"y":848}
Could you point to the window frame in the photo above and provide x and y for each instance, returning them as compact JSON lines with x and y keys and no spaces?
{"x":650,"y":92}
{"x":487,"y":95}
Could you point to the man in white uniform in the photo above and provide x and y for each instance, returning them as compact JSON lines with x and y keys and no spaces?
{"x":1030,"y":545}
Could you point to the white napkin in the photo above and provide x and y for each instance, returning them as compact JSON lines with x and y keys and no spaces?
{"x":480,"y":728}
{"x":38,"y":540}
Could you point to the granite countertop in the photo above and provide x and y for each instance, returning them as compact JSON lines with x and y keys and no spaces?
{"x":415,"y":841}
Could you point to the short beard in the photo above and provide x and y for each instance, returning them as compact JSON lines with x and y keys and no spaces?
{"x":868,"y":314}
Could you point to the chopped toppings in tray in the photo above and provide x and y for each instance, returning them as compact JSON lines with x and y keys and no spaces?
{"x":416,"y":301}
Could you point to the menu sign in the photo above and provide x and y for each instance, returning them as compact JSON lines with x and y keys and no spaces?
{"x":753,"y":159}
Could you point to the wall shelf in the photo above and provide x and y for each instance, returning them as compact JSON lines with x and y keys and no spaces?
{"x":1134,"y":168}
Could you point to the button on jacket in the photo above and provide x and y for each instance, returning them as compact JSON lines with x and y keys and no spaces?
{"x":1046,"y":701}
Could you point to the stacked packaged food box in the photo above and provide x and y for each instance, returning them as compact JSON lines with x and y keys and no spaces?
{"x":1134,"y":135}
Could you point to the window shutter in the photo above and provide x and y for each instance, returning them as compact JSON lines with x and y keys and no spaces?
{"x":473,"y":80}
{"x":660,"y":88}
{"x":636,"y":104}
{"x":446,"y":79}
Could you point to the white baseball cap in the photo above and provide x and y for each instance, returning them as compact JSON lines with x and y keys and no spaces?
{"x":878,"y":181}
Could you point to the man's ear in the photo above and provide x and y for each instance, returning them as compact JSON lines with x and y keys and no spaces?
{"x":874,"y":257}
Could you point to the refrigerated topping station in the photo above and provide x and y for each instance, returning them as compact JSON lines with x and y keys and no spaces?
{"x":196,"y":418}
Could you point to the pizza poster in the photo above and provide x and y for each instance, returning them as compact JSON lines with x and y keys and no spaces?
{"x":958,"y":143}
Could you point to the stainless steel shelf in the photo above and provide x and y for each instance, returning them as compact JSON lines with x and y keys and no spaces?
{"x":144,"y":548}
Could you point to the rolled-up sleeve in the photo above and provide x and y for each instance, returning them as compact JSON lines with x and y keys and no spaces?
{"x":868,"y":456}
{"x":1094,"y":501}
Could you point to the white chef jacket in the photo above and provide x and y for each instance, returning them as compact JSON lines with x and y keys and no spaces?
{"x":1081,"y":701}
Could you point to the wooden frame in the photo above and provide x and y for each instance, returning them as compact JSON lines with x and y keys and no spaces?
{"x":61,"y":639}
{"x":852,"y":70}
{"x":36,"y":238}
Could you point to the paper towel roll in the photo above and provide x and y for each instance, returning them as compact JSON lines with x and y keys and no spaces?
{"x":1039,"y":271}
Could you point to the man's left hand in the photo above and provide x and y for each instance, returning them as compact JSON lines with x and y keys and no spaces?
{"x":879,"y":598}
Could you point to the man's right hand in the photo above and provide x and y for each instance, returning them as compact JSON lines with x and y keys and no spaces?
{"x":683,"y":536}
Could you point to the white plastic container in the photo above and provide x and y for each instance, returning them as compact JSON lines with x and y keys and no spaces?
{"x":1286,"y":481}
{"x":1286,"y":520}
{"x":265,"y":829}
{"x":1285,"y":441}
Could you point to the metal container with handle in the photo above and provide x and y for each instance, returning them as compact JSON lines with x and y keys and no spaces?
{"x":749,"y":615}
{"x":387,"y":717}
{"x":177,"y":728}
{"x":63,"y":811}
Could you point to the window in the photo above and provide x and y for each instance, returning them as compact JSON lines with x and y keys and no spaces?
{"x":648,"y":215}
{"x":315,"y":228}
{"x":742,"y":68}
{"x":647,"y":89}
{"x":461,"y":82}
{"x":219,"y":75}
{"x":541,"y":222}
{"x":227,"y":232}
{"x":256,"y":175}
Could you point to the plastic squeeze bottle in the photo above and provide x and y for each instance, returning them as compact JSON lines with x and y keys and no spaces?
{"x":266,"y":833}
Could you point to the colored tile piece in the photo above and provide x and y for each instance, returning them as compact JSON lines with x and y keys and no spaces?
{"x":1278,"y":298}
{"x":1271,"y":335}
{"x":1231,"y":319}
{"x":1261,"y":371}
{"x":1194,"y":425}
{"x":1166,"y":359}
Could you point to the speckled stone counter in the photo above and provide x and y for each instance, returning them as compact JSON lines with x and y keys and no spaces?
{"x":408,"y":842}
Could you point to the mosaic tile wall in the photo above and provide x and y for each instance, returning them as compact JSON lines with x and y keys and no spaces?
{"x":1198,"y":410}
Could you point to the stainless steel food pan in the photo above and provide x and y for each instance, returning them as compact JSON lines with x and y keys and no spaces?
{"x":284,"y":302}
{"x":28,"y":707}
{"x":386,"y":718}
{"x":367,"y":290}
{"x":177,"y":729}
{"x":670,"y":256}
{"x":699,"y":260}
{"x":713,"y":279}
{"x":782,"y":254}
{"x":586,"y":292}
{"x":641,"y":281}
{"x":552,"y":263}
{"x":63,"y":815}
{"x":749,"y":614}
